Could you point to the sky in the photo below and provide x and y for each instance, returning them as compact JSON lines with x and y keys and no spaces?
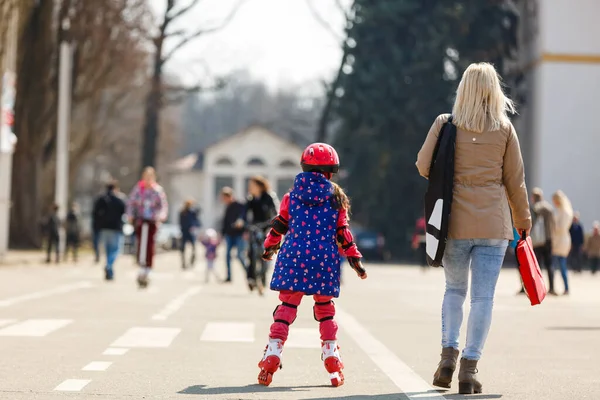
{"x":278,"y":41}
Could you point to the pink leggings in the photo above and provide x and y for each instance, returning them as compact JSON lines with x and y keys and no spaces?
{"x":285,"y":314}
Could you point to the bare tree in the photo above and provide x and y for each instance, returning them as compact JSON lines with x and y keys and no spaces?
{"x":332,"y":87}
{"x":175,"y":9}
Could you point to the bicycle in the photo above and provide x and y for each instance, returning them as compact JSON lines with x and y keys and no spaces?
{"x":258,"y":233}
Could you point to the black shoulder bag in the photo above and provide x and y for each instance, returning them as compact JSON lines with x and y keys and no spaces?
{"x":438,"y":198}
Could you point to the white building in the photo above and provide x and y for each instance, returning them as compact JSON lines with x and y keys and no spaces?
{"x":231,"y":162}
{"x":559,"y":126}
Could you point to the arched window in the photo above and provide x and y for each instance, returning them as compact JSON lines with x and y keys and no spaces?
{"x":255,"y":161}
{"x":224,"y":161}
{"x":287,"y":164}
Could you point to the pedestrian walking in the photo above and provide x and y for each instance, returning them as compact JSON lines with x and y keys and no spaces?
{"x":541,"y":234}
{"x":576,"y":231}
{"x":53,"y":234}
{"x":592,"y":248}
{"x":109,"y":212}
{"x":189,"y":223}
{"x":211,"y":242}
{"x":260,"y":210}
{"x":418,"y":242}
{"x":489,"y":183}
{"x":314,"y":215}
{"x":233,"y":229}
{"x":561,"y":238}
{"x":73,"y":231}
{"x":147,"y":207}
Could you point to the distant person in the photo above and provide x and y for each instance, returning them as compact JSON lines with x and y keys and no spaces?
{"x":189,"y":223}
{"x":592,"y":248}
{"x":577,"y":241}
{"x":561,"y":238}
{"x":232,"y":229}
{"x":73,"y":231}
{"x":211,"y":242}
{"x":260,"y":210}
{"x":53,"y":234}
{"x":96,"y":237}
{"x":418,"y":241}
{"x":541,"y":234}
{"x":109,"y":212}
{"x":147,"y":207}
{"x":489,"y":188}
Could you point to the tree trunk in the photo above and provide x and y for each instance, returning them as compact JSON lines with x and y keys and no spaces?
{"x":153,"y":104}
{"x":325,"y":117}
{"x":25,"y":216}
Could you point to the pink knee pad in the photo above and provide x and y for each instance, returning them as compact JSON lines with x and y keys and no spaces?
{"x":324,"y":311}
{"x":284,"y":315}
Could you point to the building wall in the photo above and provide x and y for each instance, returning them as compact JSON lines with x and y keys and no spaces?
{"x":567,"y":79}
{"x":254,"y":143}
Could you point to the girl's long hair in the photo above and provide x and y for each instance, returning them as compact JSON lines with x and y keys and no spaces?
{"x":340,"y":199}
{"x":480,"y":103}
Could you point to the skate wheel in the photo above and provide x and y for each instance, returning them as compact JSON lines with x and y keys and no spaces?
{"x":336,"y":378}
{"x":265,"y":378}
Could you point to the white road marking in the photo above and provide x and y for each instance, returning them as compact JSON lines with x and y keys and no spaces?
{"x":304,"y":338}
{"x":112,"y":351}
{"x":72,"y":385}
{"x":228,"y":332}
{"x":4,"y":322}
{"x":45,"y":293}
{"x":176,"y":304}
{"x":35,"y":327}
{"x":401,"y":374}
{"x":147,"y":337}
{"x":97,"y":366}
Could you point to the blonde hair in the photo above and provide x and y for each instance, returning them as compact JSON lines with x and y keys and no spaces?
{"x":563,"y":202}
{"x":480,"y":103}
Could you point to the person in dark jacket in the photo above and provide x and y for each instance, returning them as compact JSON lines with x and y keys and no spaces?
{"x":260,"y":210}
{"x":188,"y":223}
{"x":73,"y":231}
{"x":577,"y":242}
{"x":108,"y":214}
{"x":52,"y":232}
{"x":233,"y":228}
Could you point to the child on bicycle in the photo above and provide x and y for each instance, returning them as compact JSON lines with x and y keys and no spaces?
{"x":314,"y":215}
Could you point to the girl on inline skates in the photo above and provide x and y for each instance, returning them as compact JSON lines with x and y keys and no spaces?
{"x":314,"y":215}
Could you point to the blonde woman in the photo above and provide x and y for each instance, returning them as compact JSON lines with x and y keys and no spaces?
{"x":489,"y":183}
{"x":561,"y":237}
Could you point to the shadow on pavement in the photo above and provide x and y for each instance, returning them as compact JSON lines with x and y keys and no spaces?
{"x":472,"y":396}
{"x":573,"y":328}
{"x":255,"y":388}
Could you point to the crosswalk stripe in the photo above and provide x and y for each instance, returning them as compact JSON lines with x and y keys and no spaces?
{"x":176,"y":304}
{"x":45,"y":293}
{"x":97,"y":366}
{"x":4,"y":322}
{"x":35,"y":327}
{"x":228,"y":332}
{"x":72,"y":385}
{"x":303,"y":338}
{"x":111,"y":351}
{"x":147,"y":337}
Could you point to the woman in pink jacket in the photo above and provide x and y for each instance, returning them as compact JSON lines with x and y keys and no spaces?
{"x":147,"y":207}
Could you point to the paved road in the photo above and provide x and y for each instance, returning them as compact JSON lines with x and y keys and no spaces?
{"x":65,"y":333}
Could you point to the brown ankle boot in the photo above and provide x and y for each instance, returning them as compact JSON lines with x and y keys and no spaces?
{"x":467,"y":377}
{"x":446,"y":367}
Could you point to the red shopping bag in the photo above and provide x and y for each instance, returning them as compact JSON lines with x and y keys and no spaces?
{"x":533,"y":281}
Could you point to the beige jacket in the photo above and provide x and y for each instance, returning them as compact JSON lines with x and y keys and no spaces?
{"x":592,"y":246}
{"x":561,"y":237}
{"x":489,"y":182}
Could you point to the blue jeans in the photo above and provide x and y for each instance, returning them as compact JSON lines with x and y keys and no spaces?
{"x":96,"y":244}
{"x":113,"y":241}
{"x":239,"y":244}
{"x":562,"y":263}
{"x":484,"y":257}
